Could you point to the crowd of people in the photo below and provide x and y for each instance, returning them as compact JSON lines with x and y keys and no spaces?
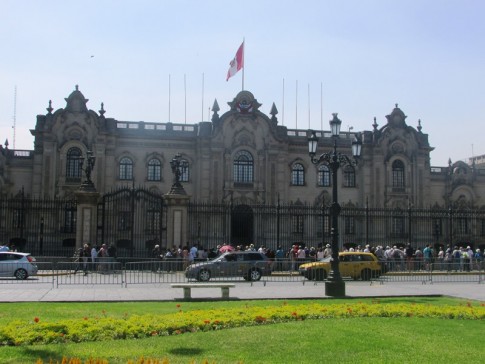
{"x":95,"y":258}
{"x":393,"y":258}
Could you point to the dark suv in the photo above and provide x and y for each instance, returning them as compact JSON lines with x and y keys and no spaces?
{"x":247,"y":264}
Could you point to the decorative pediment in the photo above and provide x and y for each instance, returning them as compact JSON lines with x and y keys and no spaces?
{"x":244,"y":103}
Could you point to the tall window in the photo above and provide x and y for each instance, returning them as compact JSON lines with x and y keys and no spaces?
{"x":349,"y":176}
{"x":297,"y":224}
{"x":398,"y":174}
{"x":243,"y":167}
{"x":297,"y":175}
{"x":323,"y":175}
{"x":69,"y":218}
{"x":398,"y":226}
{"x":126,"y":168}
{"x":154,"y":170}
{"x":73,"y":164}
{"x":349,"y":225}
{"x":184,"y":170}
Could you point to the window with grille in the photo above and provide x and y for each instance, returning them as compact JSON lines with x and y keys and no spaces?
{"x":69,"y":219}
{"x":73,"y":164}
{"x":297,"y":224}
{"x":243,"y":167}
{"x":297,"y":175}
{"x":126,"y":169}
{"x":349,"y":225}
{"x":398,"y":226}
{"x":349,"y":176}
{"x":154,"y":170}
{"x":184,"y":170}
{"x":323,"y":175}
{"x":398,"y":174}
{"x":124,"y":220}
{"x":152,"y":221}
{"x":461,"y":226}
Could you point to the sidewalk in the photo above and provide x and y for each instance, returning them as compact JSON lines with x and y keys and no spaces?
{"x":21,"y":292}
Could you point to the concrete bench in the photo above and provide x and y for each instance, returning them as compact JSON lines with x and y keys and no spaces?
{"x":188,"y":286}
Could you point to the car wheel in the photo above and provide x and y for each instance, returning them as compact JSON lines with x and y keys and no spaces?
{"x":366,"y":274}
{"x":204,"y":275}
{"x":320,"y":274}
{"x":254,"y":274}
{"x":21,"y":274}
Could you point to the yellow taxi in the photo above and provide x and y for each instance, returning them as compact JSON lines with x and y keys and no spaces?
{"x":352,"y":264}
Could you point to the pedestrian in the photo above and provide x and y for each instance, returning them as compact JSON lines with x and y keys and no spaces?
{"x":428,"y":256}
{"x":94,"y":256}
{"x":103,"y":257}
{"x":86,"y":254}
{"x":478,"y":259}
{"x":441,"y":258}
{"x":156,"y":256}
{"x":279,"y":257}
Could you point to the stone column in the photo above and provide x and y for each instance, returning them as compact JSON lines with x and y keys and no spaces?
{"x":177,"y":220}
{"x":86,"y":224}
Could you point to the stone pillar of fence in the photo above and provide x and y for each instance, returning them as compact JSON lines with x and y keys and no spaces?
{"x":86,"y":224}
{"x":177,"y":224}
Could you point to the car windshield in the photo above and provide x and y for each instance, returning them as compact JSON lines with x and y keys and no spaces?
{"x":328,"y":259}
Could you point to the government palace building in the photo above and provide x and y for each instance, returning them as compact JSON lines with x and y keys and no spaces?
{"x":241,"y":157}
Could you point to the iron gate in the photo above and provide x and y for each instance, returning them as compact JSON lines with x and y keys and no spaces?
{"x":134,"y":219}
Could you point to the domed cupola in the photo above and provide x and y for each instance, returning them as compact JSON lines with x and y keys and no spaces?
{"x":397,"y":117}
{"x":76,"y":102}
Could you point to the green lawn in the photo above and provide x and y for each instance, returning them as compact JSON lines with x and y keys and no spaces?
{"x":344,"y":340}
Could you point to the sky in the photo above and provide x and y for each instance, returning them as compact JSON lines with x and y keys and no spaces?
{"x":310,"y":58}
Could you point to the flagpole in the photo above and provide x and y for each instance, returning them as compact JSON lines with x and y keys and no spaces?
{"x":321,"y":105}
{"x":308,"y":106}
{"x":244,"y":65}
{"x":202,"y":97}
{"x":283,"y":106}
{"x":168,"y":97}
{"x":296,"y":105}
{"x":185,"y":99}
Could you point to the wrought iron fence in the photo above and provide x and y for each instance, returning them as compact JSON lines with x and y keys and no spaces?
{"x":135,"y":220}
{"x":285,"y":224}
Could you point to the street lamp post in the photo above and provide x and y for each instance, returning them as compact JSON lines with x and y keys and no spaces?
{"x":334,"y":285}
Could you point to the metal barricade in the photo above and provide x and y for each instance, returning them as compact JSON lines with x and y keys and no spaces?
{"x":102,"y":271}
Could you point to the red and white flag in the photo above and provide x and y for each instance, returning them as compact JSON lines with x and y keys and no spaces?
{"x":237,"y":63}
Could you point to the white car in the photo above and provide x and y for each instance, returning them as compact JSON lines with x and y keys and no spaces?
{"x":18,"y":265}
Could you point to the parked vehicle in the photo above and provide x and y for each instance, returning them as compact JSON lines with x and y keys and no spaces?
{"x":352,"y":264}
{"x":18,"y":265}
{"x":247,"y":264}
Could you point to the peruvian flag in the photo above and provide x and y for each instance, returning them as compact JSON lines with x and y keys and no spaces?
{"x":237,"y":63}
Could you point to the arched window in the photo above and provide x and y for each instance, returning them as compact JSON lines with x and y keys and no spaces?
{"x":184,"y":170}
{"x":349,"y":176}
{"x":154,"y":170}
{"x":126,"y":168}
{"x":398,"y":174}
{"x":243,"y":167}
{"x":323,"y":175}
{"x":297,"y":175}
{"x":73,"y":164}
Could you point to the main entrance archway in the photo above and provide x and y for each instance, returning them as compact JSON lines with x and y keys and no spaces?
{"x":242,"y":225}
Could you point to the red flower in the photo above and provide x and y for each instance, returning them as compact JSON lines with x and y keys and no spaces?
{"x":207,"y":322}
{"x":36,"y":319}
{"x":294,"y":314}
{"x":178,"y":305}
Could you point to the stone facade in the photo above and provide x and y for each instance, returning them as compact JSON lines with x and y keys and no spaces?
{"x":242,"y":155}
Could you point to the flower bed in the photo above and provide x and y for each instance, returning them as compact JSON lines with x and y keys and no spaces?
{"x":105,"y":327}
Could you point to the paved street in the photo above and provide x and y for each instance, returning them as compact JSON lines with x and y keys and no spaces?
{"x":45,"y":292}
